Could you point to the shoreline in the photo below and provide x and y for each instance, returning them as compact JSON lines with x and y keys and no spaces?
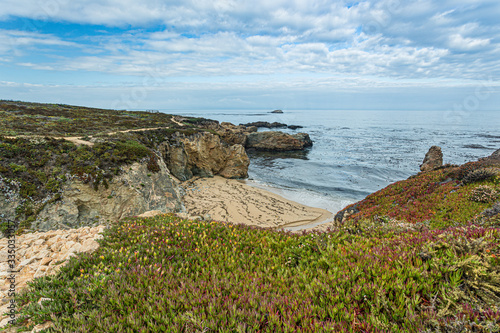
{"x":237,"y":201}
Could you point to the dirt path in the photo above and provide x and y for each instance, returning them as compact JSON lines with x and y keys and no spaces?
{"x":77,"y":140}
{"x":175,"y":121}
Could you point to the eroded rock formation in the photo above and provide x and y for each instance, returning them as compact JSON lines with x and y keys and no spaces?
{"x":278,"y":141}
{"x":232,"y":134}
{"x":204,"y":155}
{"x":433,"y":159}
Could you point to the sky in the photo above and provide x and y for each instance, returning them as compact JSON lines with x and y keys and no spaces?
{"x":259,"y":54}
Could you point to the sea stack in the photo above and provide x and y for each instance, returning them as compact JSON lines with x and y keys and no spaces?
{"x":433,"y":159}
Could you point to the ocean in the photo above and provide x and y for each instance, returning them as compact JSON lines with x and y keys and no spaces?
{"x":356,"y":153}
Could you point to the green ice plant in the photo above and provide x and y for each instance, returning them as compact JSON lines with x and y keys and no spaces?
{"x":167,"y":274}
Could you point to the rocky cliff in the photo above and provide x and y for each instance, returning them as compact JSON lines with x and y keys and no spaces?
{"x":113,"y":189}
{"x":120,"y":164}
{"x":134,"y":192}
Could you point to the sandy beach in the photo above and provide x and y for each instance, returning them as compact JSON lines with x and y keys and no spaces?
{"x":235,"y":201}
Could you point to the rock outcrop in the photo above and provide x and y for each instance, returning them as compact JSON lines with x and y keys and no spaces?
{"x":341,"y":216}
{"x":40,"y":254}
{"x":232,"y":134}
{"x":495,"y":155}
{"x":433,"y":159}
{"x":265,"y":124}
{"x":135,"y":191}
{"x":277,"y":141}
{"x":237,"y":163}
{"x":204,"y":155}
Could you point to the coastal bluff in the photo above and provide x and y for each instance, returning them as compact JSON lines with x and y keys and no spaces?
{"x":149,"y":183}
{"x":86,"y":167}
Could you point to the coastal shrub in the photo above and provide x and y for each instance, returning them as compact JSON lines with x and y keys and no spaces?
{"x":462,"y":171}
{"x":167,"y":274}
{"x":477,"y":176}
{"x":128,"y":150}
{"x":23,"y":118}
{"x":484,"y":193}
{"x":17,"y":168}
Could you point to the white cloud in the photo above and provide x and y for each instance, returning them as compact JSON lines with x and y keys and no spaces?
{"x":184,"y":39}
{"x":467,"y":44}
{"x":15,"y":42}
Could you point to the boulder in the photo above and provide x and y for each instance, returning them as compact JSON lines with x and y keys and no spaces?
{"x":341,"y":216}
{"x":277,"y":141}
{"x":433,"y":159}
{"x":204,"y":155}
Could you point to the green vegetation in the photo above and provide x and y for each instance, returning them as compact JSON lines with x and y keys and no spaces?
{"x":22,"y":118}
{"x":35,"y":162}
{"x":166,"y":274}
